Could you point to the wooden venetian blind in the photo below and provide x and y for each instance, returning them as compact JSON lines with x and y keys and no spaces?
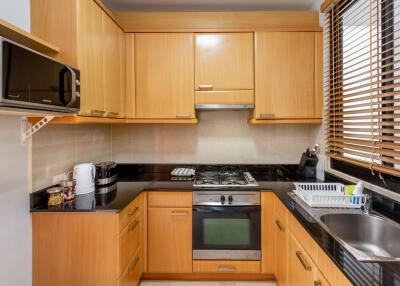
{"x":362,"y":83}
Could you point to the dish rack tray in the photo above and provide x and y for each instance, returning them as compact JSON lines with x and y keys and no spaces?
{"x":327,"y":195}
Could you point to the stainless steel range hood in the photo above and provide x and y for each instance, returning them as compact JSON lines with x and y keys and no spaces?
{"x":224,"y":106}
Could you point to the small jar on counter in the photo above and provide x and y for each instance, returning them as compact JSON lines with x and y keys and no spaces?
{"x":56,"y":196}
{"x":69,"y":193}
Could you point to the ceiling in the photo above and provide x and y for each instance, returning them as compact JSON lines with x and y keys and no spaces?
{"x":211,"y":5}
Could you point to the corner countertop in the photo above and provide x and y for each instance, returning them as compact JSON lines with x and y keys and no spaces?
{"x":134,"y":179}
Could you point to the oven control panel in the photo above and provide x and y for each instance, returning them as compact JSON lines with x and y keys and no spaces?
{"x":226,"y":198}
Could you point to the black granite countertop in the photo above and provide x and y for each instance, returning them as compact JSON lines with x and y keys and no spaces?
{"x":133,"y":179}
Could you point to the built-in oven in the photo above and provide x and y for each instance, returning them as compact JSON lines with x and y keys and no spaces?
{"x":226,"y":225}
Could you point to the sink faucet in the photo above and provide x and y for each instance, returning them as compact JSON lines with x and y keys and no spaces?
{"x":367,"y":204}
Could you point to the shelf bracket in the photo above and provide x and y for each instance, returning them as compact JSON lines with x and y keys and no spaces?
{"x":27,"y":131}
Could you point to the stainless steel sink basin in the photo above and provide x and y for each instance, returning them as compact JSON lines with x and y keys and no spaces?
{"x":367,"y":237}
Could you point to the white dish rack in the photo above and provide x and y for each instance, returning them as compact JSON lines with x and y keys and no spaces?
{"x":327,"y":195}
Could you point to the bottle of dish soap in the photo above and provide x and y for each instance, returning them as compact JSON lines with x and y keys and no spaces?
{"x":358,"y":191}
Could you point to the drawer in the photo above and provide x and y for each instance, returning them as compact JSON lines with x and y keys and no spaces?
{"x":127,"y":215}
{"x":226,"y":266}
{"x":281,"y":210}
{"x":132,"y":274}
{"x":129,"y":243}
{"x":301,"y":235}
{"x":169,"y":199}
{"x":224,"y":97}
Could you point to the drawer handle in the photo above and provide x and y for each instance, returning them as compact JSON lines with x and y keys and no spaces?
{"x":180,"y":213}
{"x":96,"y":112}
{"x":227,"y":268}
{"x":183,"y":115}
{"x":267,"y":115}
{"x":317,"y":283}
{"x":133,"y":226}
{"x":280,"y":226}
{"x":303,"y":261}
{"x":132,"y":213}
{"x":134,"y":264}
{"x":206,"y":87}
{"x":112,"y":114}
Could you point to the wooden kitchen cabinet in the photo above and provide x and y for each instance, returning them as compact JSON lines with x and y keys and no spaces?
{"x":298,"y":258}
{"x":90,"y":40}
{"x":267,"y":232}
{"x":288,"y":76}
{"x":113,"y":67}
{"x":169,"y":232}
{"x":281,"y":236}
{"x":301,"y":270}
{"x":224,"y":64}
{"x":164,"y":67}
{"x":89,"y":248}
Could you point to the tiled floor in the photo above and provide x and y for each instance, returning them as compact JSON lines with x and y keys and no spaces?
{"x":205,"y":283}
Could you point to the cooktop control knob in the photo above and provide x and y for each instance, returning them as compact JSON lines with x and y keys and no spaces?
{"x":230,"y":199}
{"x":222,"y":199}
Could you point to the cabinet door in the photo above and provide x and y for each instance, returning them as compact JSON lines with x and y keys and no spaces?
{"x":112,"y":59}
{"x":320,"y":280}
{"x":164,"y":75}
{"x":281,"y":250}
{"x":300,"y":265}
{"x":267,"y":232}
{"x":225,"y":61}
{"x":90,"y":58}
{"x":285,"y":75}
{"x":169,"y":240}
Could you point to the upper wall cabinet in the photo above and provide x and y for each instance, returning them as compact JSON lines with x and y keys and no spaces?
{"x":288,"y":75}
{"x":164,"y":68}
{"x":90,"y":40}
{"x":224,"y":68}
{"x":113,"y":67}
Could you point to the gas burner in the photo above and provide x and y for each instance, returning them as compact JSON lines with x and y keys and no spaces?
{"x":223,"y":176}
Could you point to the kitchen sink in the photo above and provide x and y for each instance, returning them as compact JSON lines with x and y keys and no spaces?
{"x":367,"y":237}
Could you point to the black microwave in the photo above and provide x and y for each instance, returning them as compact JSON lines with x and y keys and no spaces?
{"x":35,"y":81}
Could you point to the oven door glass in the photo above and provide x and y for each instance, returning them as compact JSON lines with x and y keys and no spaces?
{"x":226,"y":228}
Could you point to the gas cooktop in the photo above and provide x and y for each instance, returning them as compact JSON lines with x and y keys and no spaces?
{"x":224,"y":177}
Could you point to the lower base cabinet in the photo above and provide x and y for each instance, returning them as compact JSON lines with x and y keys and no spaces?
{"x":88,"y":248}
{"x":169,"y":232}
{"x":132,"y":274}
{"x":301,"y":270}
{"x":298,"y":259}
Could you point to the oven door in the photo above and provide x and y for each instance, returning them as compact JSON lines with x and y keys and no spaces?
{"x":227,"y":232}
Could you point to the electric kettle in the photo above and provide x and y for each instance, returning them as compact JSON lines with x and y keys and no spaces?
{"x":84,"y":176}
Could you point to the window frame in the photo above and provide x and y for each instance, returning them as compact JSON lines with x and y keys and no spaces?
{"x":386,"y":181}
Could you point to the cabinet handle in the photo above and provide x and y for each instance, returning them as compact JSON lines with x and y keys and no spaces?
{"x":180,"y":213}
{"x":317,"y":283}
{"x":280,"y":226}
{"x":132,"y":213}
{"x":133,"y":226}
{"x":227,"y":268}
{"x":95,"y":112}
{"x":112,"y":114}
{"x":267,"y":115}
{"x":183,"y":115}
{"x":303,"y":261}
{"x":206,"y":87}
{"x":134,"y":264}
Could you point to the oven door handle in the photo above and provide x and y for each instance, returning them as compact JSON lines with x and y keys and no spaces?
{"x":202,"y":210}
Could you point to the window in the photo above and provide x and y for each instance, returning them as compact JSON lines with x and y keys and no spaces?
{"x":362,"y":83}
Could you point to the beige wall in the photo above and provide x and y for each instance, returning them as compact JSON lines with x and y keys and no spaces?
{"x":56,"y":149}
{"x":221,"y":137}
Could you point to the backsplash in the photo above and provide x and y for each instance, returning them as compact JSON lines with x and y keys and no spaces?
{"x":56,"y":149}
{"x":221,"y":137}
